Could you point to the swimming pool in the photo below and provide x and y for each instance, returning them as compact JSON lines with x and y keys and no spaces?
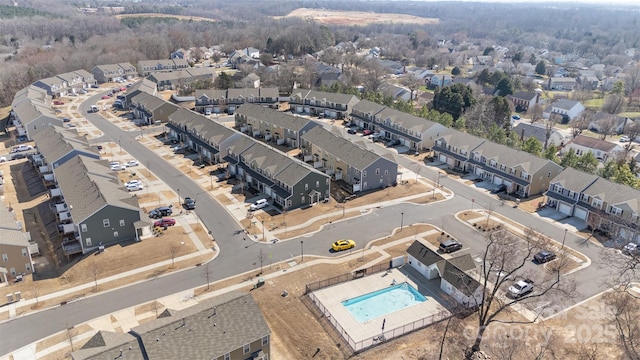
{"x":382,"y":302}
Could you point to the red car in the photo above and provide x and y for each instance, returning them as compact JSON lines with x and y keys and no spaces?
{"x":106,"y":97}
{"x":123,"y":89}
{"x":58,"y":102}
{"x":367,"y":132}
{"x":165,"y":222}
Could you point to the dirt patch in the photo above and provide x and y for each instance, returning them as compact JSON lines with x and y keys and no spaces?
{"x":356,"y":17}
{"x":62,"y":337}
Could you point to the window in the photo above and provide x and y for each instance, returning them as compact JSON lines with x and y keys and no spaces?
{"x":364,"y":185}
{"x":306,"y":186}
{"x":105,"y":222}
{"x":597,"y":203}
{"x":227,"y":356}
{"x":27,"y":267}
{"x":302,"y":200}
{"x":121,"y":222}
{"x":115,"y":234}
{"x":246,"y":348}
{"x":5,"y":257}
{"x":378,"y":171}
{"x":24,"y":252}
{"x":616,"y":211}
{"x":317,"y":183}
{"x":13,"y":271}
{"x":381,"y":181}
{"x":364,"y":173}
{"x":265,"y":340}
{"x":88,"y":241}
{"x":386,"y":172}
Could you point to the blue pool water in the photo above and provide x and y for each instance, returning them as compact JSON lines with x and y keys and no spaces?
{"x":383,"y":302}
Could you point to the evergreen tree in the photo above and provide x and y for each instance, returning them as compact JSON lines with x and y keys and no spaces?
{"x":532,"y":146}
{"x":541,"y":68}
{"x":587,"y":163}
{"x":570,"y":159}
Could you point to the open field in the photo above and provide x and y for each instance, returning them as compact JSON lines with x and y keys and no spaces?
{"x":357,"y":17}
{"x":156,"y":15}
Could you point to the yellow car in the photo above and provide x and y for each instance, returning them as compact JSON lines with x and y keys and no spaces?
{"x":343,"y":245}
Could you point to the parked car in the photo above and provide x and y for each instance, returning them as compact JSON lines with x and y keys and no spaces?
{"x":520,"y":288}
{"x":515,"y":117}
{"x":450,"y":246}
{"x":65,"y":119}
{"x":133,"y":182}
{"x":83,"y":91}
{"x":117,"y":167}
{"x":131,"y":163}
{"x":544,"y":256}
{"x":343,"y":245}
{"x":393,"y":143}
{"x":104,"y":97}
{"x":159,"y":212}
{"x":94,"y":86}
{"x":165,"y":222}
{"x":135,"y":187}
{"x":352,"y":130}
{"x":500,"y":189}
{"x":21,"y":148}
{"x":259,"y":204}
{"x":631,"y":249}
{"x":624,"y":138}
{"x":22,"y":138}
{"x":58,"y":102}
{"x":367,"y":132}
{"x":189,"y":203}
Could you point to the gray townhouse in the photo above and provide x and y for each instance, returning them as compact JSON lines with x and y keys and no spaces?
{"x":146,"y":67}
{"x":228,"y":101}
{"x":354,"y":168}
{"x":525,"y":130}
{"x":199,"y":134}
{"x":413,"y":132}
{"x":111,"y":72}
{"x":331,"y":105}
{"x":55,"y":86}
{"x":522,"y":173}
{"x":99,"y":208}
{"x":75,"y":82}
{"x":152,"y":109}
{"x":181,"y":78}
{"x":289,"y":182}
{"x":15,"y":249}
{"x":32,"y":112}
{"x":227,"y":327}
{"x":142,"y":86}
{"x":272,"y":125}
{"x":523,"y":101}
{"x":611,"y":207}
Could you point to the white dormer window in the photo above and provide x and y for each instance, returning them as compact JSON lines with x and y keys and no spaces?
{"x":597,"y":203}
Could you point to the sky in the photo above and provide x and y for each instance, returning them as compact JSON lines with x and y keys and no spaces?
{"x":549,"y":2}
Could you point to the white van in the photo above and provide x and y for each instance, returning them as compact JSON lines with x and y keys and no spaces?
{"x":259,"y":205}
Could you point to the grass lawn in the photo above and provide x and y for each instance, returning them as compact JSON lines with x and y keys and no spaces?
{"x":594,"y":104}
{"x":630,"y":114}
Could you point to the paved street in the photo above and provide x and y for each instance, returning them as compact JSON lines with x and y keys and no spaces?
{"x":239,"y":255}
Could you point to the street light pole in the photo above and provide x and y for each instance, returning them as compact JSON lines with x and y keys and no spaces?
{"x":178,"y":190}
{"x":301,"y":250}
{"x":401,"y":220}
{"x":120,"y":145}
{"x":262,"y":230}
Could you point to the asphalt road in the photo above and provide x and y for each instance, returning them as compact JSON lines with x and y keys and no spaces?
{"x":239,"y":255}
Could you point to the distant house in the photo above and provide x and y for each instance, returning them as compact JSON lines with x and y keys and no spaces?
{"x":55,"y":86}
{"x":220,"y":101}
{"x":440,"y":80}
{"x":32,"y":112}
{"x":526,"y":69}
{"x":539,"y":131}
{"x":569,"y":110}
{"x":111,"y":72}
{"x":614,"y":124}
{"x":331,"y":105}
{"x":171,"y":80}
{"x":397,"y":92}
{"x":152,"y":109}
{"x":561,"y":84}
{"x":146,"y":67}
{"x":523,"y":101}
{"x":241,"y":80}
{"x":272,"y":125}
{"x":227,"y":327}
{"x":601,"y":149}
{"x":142,"y":86}
{"x":455,"y":273}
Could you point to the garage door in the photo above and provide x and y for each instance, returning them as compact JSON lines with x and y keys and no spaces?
{"x":580,"y":213}
{"x":565,"y":209}
{"x":479,"y":171}
{"x":497,"y":180}
{"x":508,"y":184}
{"x":442,"y":158}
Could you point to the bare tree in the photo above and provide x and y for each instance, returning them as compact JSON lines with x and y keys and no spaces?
{"x":95,"y":270}
{"x":632,"y":130}
{"x":500,"y":264}
{"x":173,"y":252}
{"x":580,"y":124}
{"x":548,"y":130}
{"x":606,"y":127}
{"x":35,"y":291}
{"x":535,"y":113}
{"x":626,"y":311}
{"x":207,"y":272}
{"x":613,"y":104}
{"x":262,"y":256}
{"x":413,"y":83}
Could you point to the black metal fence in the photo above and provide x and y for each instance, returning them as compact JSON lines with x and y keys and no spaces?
{"x":346,"y":277}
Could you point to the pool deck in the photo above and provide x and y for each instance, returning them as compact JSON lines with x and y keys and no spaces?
{"x":331,"y":298}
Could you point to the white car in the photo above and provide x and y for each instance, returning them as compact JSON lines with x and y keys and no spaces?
{"x":133,"y":182}
{"x":135,"y":187}
{"x":20,"y":148}
{"x":131,"y":163}
{"x":624,"y":138}
{"x":117,"y":167}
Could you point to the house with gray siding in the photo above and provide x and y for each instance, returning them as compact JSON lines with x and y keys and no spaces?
{"x":178,"y":79}
{"x":111,"y":72}
{"x":102,"y":212}
{"x":539,"y":131}
{"x":15,"y":248}
{"x":289,"y":182}
{"x":152,"y":109}
{"x":355,"y":168}
{"x":331,"y":105}
{"x":272,"y":125}
{"x":454,"y":149}
{"x":146,"y":67}
{"x":32,"y":112}
{"x":413,"y":132}
{"x":199,"y":134}
{"x":228,"y":101}
{"x":55,"y":86}
{"x":607,"y":206}
{"x":141,"y":86}
{"x":227,"y":327}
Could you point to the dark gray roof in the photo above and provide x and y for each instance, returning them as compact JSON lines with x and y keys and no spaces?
{"x":594,"y":143}
{"x":463,"y":262}
{"x":110,"y":345}
{"x":538,"y":131}
{"x":246,"y":93}
{"x":621,"y":196}
{"x":211,"y":93}
{"x":522,"y":95}
{"x":510,"y":157}
{"x":144,"y":85}
{"x":574,"y":180}
{"x":212,"y":132}
{"x":205,"y":331}
{"x":343,"y":149}
{"x":565,"y":104}
{"x":56,"y":142}
{"x":274,"y":117}
{"x":414,"y":125}
{"x":462,"y":140}
{"x":335,"y":98}
{"x":368,"y":107}
{"x":89,"y":185}
{"x":423,"y":254}
{"x":458,"y":278}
